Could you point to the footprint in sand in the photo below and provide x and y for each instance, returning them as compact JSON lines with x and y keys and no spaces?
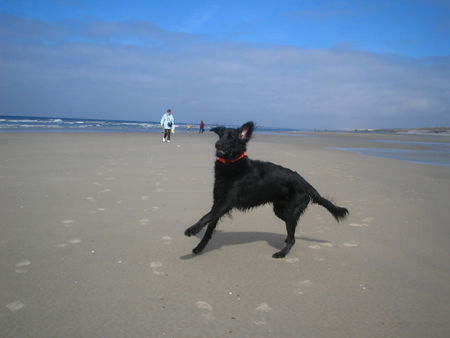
{"x":68,"y":223}
{"x":145,"y":198}
{"x":21,"y":267}
{"x":262,"y":308}
{"x":90,"y":198}
{"x":350,"y":245}
{"x":206,"y":309}
{"x":360,"y":225}
{"x":364,"y":222}
{"x":303,"y":286}
{"x":306,"y":283}
{"x":292,"y":260}
{"x":70,"y":241}
{"x":314,"y":246}
{"x":15,"y":306}
{"x":144,"y":221}
{"x":156,"y":268}
{"x":167,"y":240}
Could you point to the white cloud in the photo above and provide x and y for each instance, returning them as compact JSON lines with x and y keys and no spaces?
{"x":134,"y":70}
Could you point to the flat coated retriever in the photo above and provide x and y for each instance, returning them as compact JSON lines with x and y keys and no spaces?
{"x":243,"y":183}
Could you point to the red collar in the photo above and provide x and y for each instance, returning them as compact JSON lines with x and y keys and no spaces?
{"x":221,"y":159}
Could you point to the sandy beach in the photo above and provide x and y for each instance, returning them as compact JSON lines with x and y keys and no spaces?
{"x":92,"y":243}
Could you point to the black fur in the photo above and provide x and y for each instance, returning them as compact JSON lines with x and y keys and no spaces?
{"x":245,"y":183}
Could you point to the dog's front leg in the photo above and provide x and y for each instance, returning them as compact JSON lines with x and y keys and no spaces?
{"x":192,"y":230}
{"x":211,"y":218}
{"x":217,"y":211}
{"x":206,"y":237}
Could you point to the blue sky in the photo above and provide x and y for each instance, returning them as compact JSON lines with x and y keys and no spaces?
{"x":300,"y":64}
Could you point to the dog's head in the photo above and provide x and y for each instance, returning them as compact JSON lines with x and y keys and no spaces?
{"x":233,"y":141}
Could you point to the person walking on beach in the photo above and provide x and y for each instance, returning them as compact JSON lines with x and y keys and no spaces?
{"x":202,"y":127}
{"x":167,"y":122}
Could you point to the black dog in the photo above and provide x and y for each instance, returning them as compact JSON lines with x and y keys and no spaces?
{"x":242,"y":183}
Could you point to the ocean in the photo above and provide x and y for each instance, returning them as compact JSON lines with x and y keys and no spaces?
{"x":431,"y":153}
{"x":60,"y":124}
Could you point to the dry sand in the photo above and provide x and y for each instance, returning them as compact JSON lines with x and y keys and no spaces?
{"x":92,"y":244}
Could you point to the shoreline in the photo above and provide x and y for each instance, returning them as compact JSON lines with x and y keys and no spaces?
{"x":10,"y":123}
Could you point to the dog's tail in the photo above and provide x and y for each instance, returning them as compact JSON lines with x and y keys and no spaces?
{"x":338,"y":212}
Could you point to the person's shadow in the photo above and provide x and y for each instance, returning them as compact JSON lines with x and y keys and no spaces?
{"x":223,"y":238}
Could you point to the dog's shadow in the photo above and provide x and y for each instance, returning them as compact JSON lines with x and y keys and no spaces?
{"x":223,"y":238}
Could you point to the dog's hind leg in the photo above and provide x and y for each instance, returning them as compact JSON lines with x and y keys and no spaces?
{"x":290,"y":214}
{"x":291,"y":224}
{"x":279,"y":208}
{"x":206,"y":237}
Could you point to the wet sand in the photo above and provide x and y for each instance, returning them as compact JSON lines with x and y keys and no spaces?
{"x":92,"y":244}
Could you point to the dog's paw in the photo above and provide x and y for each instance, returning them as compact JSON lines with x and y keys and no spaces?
{"x":197,"y":250}
{"x":279,"y":254}
{"x":191,"y":231}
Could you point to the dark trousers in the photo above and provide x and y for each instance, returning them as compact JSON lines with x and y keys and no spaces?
{"x":167,"y":133}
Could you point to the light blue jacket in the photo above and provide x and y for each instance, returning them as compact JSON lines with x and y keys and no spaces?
{"x":166,"y":118}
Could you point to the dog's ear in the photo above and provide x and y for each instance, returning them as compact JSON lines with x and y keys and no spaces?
{"x":218,"y":130}
{"x":246,"y":131}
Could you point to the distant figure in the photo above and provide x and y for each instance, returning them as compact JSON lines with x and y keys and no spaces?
{"x":188,"y":126}
{"x":202,"y":127}
{"x":167,"y":123}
